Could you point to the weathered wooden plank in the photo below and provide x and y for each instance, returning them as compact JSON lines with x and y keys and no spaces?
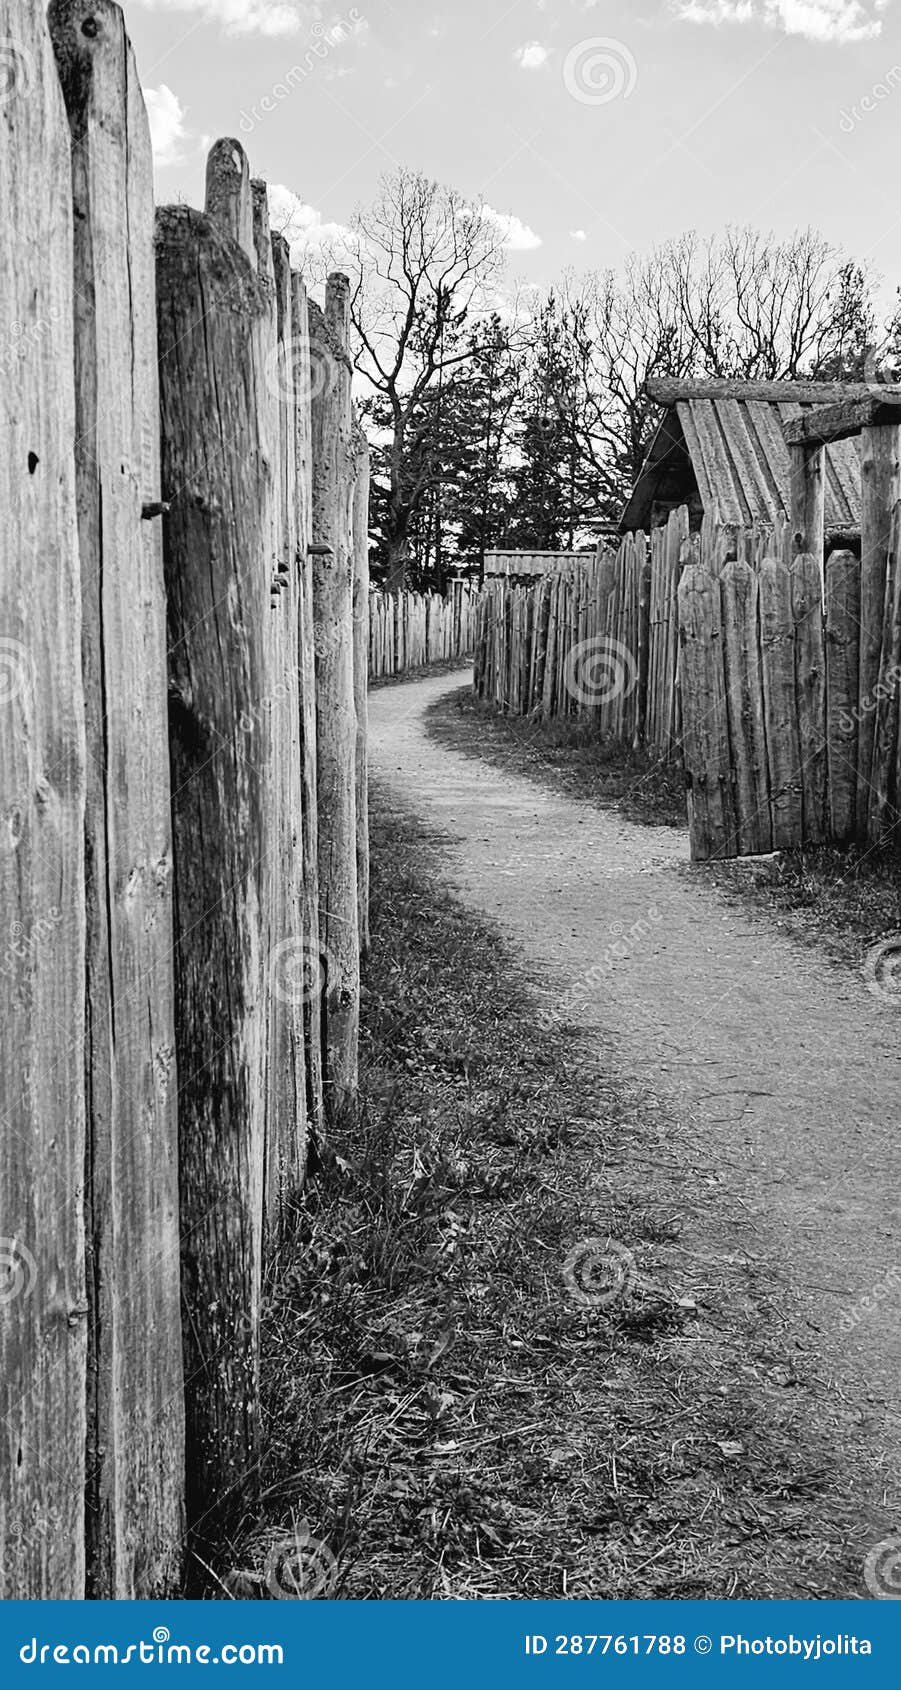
{"x":808,"y":497}
{"x":42,"y":790}
{"x":135,"y":1479}
{"x":847,"y":418}
{"x":712,"y":819}
{"x":361,"y":643}
{"x":806,"y":574}
{"x":287,"y":1119}
{"x":303,"y":460}
{"x":880,"y":471}
{"x":744,"y":698}
{"x":777,"y":653}
{"x":333,"y":569}
{"x":671,"y":390}
{"x":842,"y":591}
{"x":213,"y":319}
{"x":884,"y":807}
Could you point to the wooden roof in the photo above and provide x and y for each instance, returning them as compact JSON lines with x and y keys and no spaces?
{"x":727,"y":436}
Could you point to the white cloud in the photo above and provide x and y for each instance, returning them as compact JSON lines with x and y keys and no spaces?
{"x":517,"y":236}
{"x":577,"y":235}
{"x":303,"y":228}
{"x":531,"y":56}
{"x":247,"y":17}
{"x":818,"y":20}
{"x":167,"y":125}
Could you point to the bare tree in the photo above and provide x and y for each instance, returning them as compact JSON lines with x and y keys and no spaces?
{"x":426,"y":260}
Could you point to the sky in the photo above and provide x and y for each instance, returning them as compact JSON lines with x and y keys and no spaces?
{"x":592,"y":128}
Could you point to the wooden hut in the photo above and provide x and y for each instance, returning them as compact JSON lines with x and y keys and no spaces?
{"x":720,"y":447}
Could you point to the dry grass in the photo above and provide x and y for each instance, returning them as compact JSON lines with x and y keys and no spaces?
{"x":564,"y":755}
{"x":843,"y":901}
{"x":446,"y":666}
{"x":439,"y":1406}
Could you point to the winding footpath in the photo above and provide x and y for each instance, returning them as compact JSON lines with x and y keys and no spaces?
{"x":786,"y":1066}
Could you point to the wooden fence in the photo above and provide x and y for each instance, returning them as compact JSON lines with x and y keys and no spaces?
{"x":184,"y":539}
{"x":409,"y":630}
{"x":597,"y":637}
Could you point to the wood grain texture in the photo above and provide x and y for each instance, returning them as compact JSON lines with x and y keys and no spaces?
{"x":842,"y":593}
{"x":333,"y":569}
{"x":361,"y":674}
{"x":135,"y":1474}
{"x":303,"y":487}
{"x":43,"y":1324}
{"x":744,"y":697}
{"x":712,"y":820}
{"x":780,"y":707}
{"x":880,"y":471}
{"x":213,"y":318}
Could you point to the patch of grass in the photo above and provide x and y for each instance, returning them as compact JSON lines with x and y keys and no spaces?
{"x":447,"y":666}
{"x":843,"y":901}
{"x":442,"y":1407}
{"x":565,"y":755}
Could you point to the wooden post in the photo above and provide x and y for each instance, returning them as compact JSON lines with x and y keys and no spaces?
{"x":807,"y":464}
{"x":884,"y":794}
{"x":43,"y":1329}
{"x":708,"y":765}
{"x":135,"y":1479}
{"x":744,"y":697}
{"x":336,"y":729}
{"x":806,"y":588}
{"x":214,"y":318}
{"x":842,"y":684}
{"x":361,"y":675}
{"x":777,"y":658}
{"x":880,"y":472}
{"x":288,"y":986}
{"x":303,"y":465}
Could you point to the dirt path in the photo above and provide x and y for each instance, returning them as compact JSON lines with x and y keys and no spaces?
{"x":788,"y":1069}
